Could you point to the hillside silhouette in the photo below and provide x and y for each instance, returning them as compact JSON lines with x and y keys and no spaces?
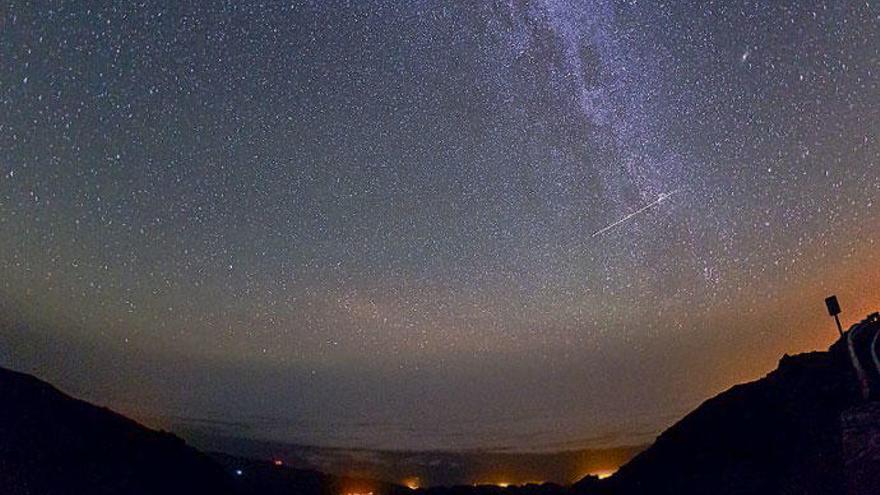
{"x":795,"y":431}
{"x":51,"y":443}
{"x":778,"y":435}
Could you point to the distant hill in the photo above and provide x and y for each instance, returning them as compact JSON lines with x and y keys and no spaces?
{"x":778,"y":435}
{"x":51,"y":443}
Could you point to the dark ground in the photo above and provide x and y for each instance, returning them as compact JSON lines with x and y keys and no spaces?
{"x":778,"y":435}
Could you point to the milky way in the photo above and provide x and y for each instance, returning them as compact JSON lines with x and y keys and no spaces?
{"x":371,"y":223}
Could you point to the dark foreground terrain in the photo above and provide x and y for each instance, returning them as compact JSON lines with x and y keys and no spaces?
{"x":781,"y":434}
{"x":52,"y":443}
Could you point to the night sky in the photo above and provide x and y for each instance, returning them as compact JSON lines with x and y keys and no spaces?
{"x":525,"y":225}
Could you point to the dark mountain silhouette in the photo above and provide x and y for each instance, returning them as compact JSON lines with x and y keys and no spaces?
{"x":51,"y":443}
{"x":809,"y":427}
{"x":778,"y":435}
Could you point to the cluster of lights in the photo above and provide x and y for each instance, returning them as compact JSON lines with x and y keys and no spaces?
{"x":413,"y":482}
{"x":600,"y":474}
{"x":501,"y":484}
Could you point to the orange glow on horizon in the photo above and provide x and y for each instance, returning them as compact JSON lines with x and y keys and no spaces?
{"x":602,"y":474}
{"x":506,"y":484}
{"x":502,"y":484}
{"x":358,"y":488}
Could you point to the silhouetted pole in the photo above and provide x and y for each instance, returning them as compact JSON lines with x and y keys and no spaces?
{"x":834,"y":310}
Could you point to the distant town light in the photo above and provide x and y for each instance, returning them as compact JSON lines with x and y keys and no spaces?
{"x":278,"y":462}
{"x":239,"y":472}
{"x":600,"y":474}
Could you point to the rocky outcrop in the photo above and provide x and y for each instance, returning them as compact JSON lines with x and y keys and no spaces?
{"x":860,"y":427}
{"x":778,"y":435}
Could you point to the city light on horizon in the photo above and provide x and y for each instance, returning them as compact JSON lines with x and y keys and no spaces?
{"x":383,"y":236}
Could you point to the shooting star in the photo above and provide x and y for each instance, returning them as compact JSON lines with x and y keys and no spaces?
{"x":663,"y":197}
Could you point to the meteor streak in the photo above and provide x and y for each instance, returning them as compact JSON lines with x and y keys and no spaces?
{"x":663,"y":197}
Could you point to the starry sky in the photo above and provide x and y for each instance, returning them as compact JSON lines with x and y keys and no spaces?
{"x":432,"y":225}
